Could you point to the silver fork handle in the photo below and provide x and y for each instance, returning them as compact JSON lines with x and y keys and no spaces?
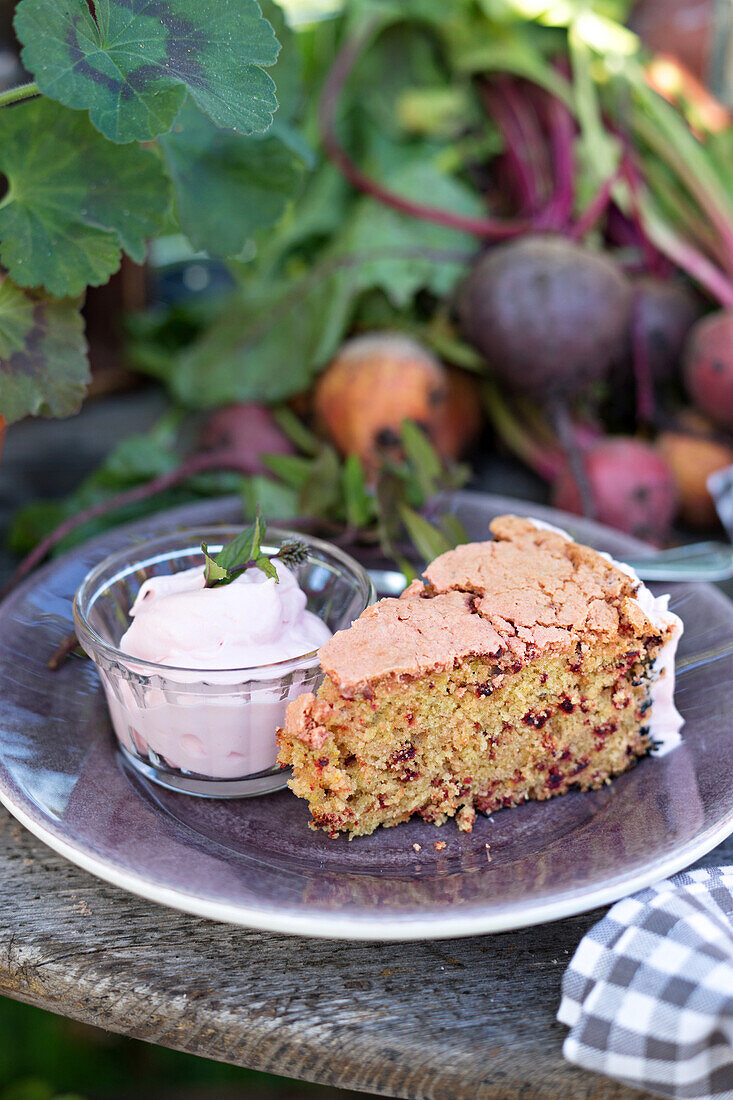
{"x":699,"y":561}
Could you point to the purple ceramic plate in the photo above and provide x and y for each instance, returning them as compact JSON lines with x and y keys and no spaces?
{"x":255,"y":862}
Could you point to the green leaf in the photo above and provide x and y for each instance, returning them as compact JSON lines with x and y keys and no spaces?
{"x":401,"y":255}
{"x":292,"y":469}
{"x":453,"y":529}
{"x":265,"y":565}
{"x":322,"y":490}
{"x":273,"y":497}
{"x":303,"y":438}
{"x":214,"y":573}
{"x":275,"y":335}
{"x":424,"y":460}
{"x":244,"y":547}
{"x":74,"y":200}
{"x":427,"y":539}
{"x":134,"y":461}
{"x":265,"y":346}
{"x":510,"y":52}
{"x":359,"y":506}
{"x":227,"y":186}
{"x":43,"y":354}
{"x":131,"y":62}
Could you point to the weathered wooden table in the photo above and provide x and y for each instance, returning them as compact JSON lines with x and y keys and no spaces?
{"x":455,"y":1019}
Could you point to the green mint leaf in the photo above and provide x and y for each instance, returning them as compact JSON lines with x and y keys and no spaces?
{"x":244,"y":547}
{"x":214,"y":574}
{"x":74,"y":200}
{"x":251,"y":178}
{"x":131,"y":63}
{"x":264,"y":563}
{"x":43,"y":354}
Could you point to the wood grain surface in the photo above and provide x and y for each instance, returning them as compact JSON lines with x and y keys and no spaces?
{"x":455,"y":1019}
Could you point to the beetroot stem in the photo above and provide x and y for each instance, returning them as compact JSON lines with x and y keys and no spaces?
{"x":514,"y":150}
{"x":689,"y":260}
{"x":568,"y":441}
{"x":558,"y":211}
{"x":645,"y":409}
{"x":595,"y":210}
{"x":546,"y":463}
{"x":487,"y":228}
{"x":630,"y":173}
{"x":519,"y":99}
{"x":197,"y":464}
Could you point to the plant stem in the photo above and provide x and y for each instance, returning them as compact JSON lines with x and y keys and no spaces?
{"x":565,"y":433}
{"x":197,"y":464}
{"x":544,"y":463}
{"x":688,"y":258}
{"x":595,"y":209}
{"x":561,"y":129}
{"x":645,"y":405}
{"x":64,"y":650}
{"x":487,"y":228}
{"x":494,"y":98}
{"x":14,"y":95}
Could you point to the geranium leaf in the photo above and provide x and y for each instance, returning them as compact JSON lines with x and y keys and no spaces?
{"x":74,"y":200}
{"x":213,"y":170}
{"x":43,"y":361}
{"x":131,"y":62}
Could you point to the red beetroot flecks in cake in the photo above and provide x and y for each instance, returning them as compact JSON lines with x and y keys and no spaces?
{"x":531,"y":648}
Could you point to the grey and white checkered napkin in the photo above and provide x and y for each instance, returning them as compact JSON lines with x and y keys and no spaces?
{"x":648,"y":996}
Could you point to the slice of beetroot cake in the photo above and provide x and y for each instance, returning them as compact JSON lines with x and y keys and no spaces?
{"x":523,"y":667}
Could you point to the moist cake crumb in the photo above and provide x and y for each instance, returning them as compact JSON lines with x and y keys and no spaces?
{"x":520,"y":668}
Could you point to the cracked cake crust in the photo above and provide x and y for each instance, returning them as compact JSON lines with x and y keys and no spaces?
{"x":519,"y":669}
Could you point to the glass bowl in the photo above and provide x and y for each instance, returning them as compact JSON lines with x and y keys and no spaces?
{"x":206,"y":732}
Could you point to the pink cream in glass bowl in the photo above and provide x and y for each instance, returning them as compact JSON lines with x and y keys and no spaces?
{"x":197,"y":680}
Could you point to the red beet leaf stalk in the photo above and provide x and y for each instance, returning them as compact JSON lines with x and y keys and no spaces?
{"x":495,"y":229}
{"x":546,"y":460}
{"x":189,"y":468}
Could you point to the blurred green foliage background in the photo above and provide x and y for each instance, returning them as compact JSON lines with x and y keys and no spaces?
{"x":47,"y":1057}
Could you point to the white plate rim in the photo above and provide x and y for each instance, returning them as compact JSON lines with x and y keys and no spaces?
{"x":355,"y":927}
{"x":324,"y":926}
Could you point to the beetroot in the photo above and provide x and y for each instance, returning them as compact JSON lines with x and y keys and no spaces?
{"x":664,"y":313}
{"x":549,"y":316}
{"x":246,"y":430}
{"x":692,"y":460}
{"x":683,"y":28}
{"x":376,"y":381}
{"x":708,"y":367}
{"x":460,"y":418}
{"x":631,"y":484}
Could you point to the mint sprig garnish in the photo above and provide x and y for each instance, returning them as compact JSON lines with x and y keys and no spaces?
{"x":245,"y":552}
